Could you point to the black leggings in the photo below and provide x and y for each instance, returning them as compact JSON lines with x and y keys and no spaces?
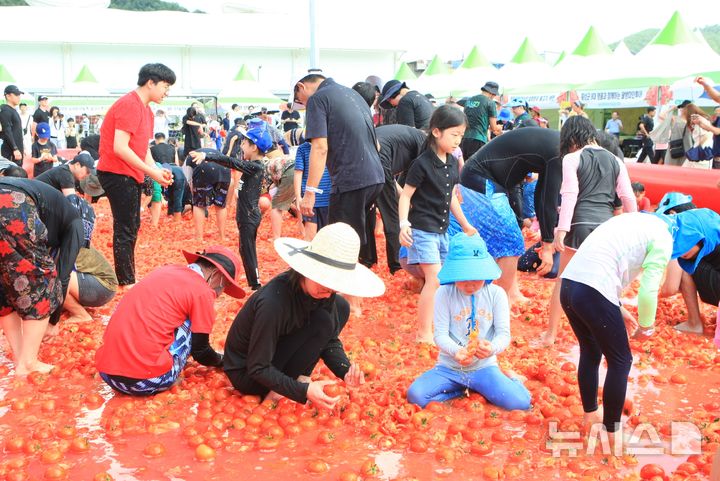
{"x":297,"y":353}
{"x":600,"y":330}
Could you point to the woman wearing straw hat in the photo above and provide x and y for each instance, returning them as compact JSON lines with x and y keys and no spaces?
{"x":295,"y":320}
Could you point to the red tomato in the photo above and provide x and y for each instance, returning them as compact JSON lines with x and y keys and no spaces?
{"x":204,"y":453}
{"x":650,"y":470}
{"x":317,"y":466}
{"x":154,"y":450}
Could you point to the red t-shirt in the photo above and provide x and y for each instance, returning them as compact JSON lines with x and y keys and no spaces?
{"x":130,"y":115}
{"x":142,"y":328}
{"x":645,"y":205}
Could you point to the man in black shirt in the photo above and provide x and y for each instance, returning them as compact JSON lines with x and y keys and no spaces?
{"x":413,"y":108}
{"x":12,"y":132}
{"x":162,"y":152}
{"x":290,"y":118}
{"x":400,"y":145}
{"x":166,"y":155}
{"x":63,"y":177}
{"x":191,"y":130}
{"x":645,"y":126}
{"x":342,"y":135}
{"x":42,"y":113}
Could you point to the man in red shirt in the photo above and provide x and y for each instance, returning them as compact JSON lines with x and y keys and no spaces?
{"x":164,"y":319}
{"x":125,"y":160}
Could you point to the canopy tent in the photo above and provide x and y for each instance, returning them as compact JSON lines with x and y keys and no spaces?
{"x":435,"y":80}
{"x":404,"y":73}
{"x":675,"y":53}
{"x":85,"y":84}
{"x":526,"y":68}
{"x":472,"y":74}
{"x":245,"y":90}
{"x":591,"y":56}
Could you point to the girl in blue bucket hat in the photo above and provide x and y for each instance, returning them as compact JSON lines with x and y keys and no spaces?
{"x":472,"y":325}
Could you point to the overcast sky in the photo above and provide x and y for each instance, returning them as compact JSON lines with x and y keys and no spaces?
{"x":451,"y":27}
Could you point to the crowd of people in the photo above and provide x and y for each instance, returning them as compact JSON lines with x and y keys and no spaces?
{"x":455,"y":186}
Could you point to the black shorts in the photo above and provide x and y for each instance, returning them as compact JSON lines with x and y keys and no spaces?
{"x":320,"y":218}
{"x":707,"y":280}
{"x":92,"y":292}
{"x":352,"y":207}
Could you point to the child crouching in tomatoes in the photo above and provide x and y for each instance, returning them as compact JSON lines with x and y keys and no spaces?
{"x":472,"y":325}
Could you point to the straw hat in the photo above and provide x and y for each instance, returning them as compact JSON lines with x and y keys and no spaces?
{"x":331,"y":261}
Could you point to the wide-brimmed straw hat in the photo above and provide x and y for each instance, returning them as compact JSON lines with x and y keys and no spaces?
{"x":468,"y":260}
{"x":227,"y":262}
{"x":331,"y":261}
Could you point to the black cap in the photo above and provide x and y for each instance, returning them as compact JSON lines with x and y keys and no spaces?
{"x":42,"y":97}
{"x":684,"y":104}
{"x":12,"y":89}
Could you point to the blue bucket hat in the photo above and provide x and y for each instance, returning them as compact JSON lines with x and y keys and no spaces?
{"x":671,"y":200}
{"x":468,"y":260}
{"x":505,"y":115}
{"x":693,"y":226}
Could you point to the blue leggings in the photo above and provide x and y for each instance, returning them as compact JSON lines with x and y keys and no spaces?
{"x":179,"y":350}
{"x":600,"y":330}
{"x":443,"y":383}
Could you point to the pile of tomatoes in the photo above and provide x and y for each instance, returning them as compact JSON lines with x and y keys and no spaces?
{"x":70,"y":425}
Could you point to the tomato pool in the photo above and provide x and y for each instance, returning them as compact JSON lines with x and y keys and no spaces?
{"x":70,"y":425}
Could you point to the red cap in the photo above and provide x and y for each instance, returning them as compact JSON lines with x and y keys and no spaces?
{"x":227,"y":262}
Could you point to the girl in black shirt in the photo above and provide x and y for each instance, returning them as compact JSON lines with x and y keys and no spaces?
{"x":425,"y":205}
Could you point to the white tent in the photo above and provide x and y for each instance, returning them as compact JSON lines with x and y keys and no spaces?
{"x":245,"y":90}
{"x":472,"y":74}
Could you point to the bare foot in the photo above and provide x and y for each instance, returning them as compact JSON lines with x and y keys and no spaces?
{"x":690,"y":328}
{"x":593,"y":417}
{"x":36,"y":366}
{"x":547,"y":338}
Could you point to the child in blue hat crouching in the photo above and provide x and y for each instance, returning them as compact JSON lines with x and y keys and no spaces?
{"x":471,"y":326}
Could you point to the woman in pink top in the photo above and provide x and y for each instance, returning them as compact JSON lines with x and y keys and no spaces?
{"x":592,"y":178}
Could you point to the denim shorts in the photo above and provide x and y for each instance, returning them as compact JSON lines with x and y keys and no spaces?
{"x":427,"y":247}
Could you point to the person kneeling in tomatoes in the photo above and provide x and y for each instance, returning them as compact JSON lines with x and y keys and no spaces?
{"x":472,"y":326}
{"x":164,"y":319}
{"x":295,"y":320}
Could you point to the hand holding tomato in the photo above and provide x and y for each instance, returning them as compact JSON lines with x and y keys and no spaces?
{"x":355,"y":376}
{"x":464,"y":357}
{"x":317,"y":396}
{"x":483,"y":349}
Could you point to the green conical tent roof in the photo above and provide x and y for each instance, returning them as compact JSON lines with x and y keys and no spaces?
{"x":404,"y":73}
{"x":86,"y":75}
{"x":436,"y":67}
{"x":675,"y":32}
{"x":5,"y":76}
{"x":476,"y":59}
{"x":591,"y":44}
{"x":562,"y":56}
{"x":244,"y":74}
{"x":526,"y":53}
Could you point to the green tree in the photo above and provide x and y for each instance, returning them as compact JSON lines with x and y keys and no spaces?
{"x":146,"y":5}
{"x":13,"y":3}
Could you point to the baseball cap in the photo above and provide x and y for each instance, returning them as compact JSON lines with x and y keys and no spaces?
{"x":684,"y":104}
{"x":12,"y":89}
{"x":260,"y":137}
{"x":43,"y":130}
{"x":85,"y":159}
{"x":535,"y":109}
{"x":42,"y":97}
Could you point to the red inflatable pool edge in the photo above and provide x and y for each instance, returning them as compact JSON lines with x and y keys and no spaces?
{"x":701,"y":184}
